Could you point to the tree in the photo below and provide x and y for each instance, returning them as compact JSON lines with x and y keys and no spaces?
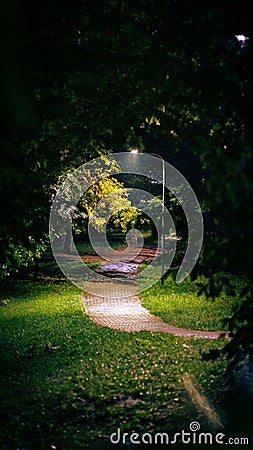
{"x":104,"y":202}
{"x":89,"y":77}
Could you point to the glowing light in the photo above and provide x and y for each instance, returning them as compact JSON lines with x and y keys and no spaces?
{"x":134,"y":150}
{"x":241,"y":37}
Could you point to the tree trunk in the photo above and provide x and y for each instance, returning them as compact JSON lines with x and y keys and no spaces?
{"x":68,"y":242}
{"x":154,"y":233}
{"x":36,"y":269}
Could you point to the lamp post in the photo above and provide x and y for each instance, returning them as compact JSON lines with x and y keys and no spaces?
{"x":135,"y":151}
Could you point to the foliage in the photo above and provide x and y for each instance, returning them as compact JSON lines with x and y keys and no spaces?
{"x":111,"y":197}
{"x":104,"y":201}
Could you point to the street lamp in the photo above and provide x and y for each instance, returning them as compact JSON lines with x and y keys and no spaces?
{"x":135,"y":151}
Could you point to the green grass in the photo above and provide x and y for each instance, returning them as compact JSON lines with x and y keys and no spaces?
{"x":180,"y":305}
{"x":84,"y":247}
{"x":67,"y":383}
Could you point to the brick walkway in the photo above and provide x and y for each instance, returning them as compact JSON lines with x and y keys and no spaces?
{"x":127,"y":314}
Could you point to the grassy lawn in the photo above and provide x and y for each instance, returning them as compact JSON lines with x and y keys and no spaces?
{"x":85,"y":248}
{"x":67,"y":383}
{"x":180,"y":305}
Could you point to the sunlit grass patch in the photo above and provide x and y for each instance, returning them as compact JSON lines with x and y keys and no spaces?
{"x":180,"y":305}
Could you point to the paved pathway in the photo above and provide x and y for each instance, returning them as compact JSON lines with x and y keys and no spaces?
{"x":127,"y":313}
